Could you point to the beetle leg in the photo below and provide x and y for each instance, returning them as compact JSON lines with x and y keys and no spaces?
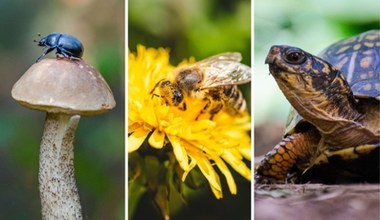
{"x":45,"y":53}
{"x":63,"y":53}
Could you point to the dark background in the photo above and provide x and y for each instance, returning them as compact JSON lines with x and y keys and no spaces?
{"x":99,"y":144}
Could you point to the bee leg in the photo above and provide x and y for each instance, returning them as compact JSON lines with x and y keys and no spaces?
{"x":183,"y":107}
{"x":155,"y":86}
{"x":158,"y":84}
{"x":215,"y":110}
{"x":204,"y":108}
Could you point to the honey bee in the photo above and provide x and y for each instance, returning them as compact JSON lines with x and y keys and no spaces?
{"x":213,"y":79}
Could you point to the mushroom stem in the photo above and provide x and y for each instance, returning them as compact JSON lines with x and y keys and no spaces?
{"x":58,"y":190}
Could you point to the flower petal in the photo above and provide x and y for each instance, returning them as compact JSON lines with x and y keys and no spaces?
{"x":246,"y":152}
{"x":207,"y":170}
{"x":217,"y":193}
{"x":226,"y":172}
{"x":192,"y":164}
{"x":137,"y":138}
{"x":157,"y":139}
{"x":179,"y":152}
{"x":234,"y":159}
{"x":212,"y":177}
{"x":147,"y":113}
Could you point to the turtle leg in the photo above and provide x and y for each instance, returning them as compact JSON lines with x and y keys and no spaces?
{"x":294,"y":150}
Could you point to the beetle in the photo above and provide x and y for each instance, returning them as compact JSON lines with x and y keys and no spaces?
{"x":64,"y":44}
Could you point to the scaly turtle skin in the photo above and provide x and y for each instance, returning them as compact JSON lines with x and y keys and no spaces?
{"x":336,"y":115}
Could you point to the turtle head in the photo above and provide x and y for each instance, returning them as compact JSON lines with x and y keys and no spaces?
{"x":315,"y":88}
{"x":300,"y":71}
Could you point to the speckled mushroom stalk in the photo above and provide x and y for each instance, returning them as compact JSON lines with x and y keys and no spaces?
{"x":64,"y":89}
{"x":58,"y":190}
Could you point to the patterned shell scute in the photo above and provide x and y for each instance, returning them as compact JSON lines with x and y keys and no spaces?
{"x":358,"y":58}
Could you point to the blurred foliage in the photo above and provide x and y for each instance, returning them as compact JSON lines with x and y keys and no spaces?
{"x":197,"y":29}
{"x":310,"y":25}
{"x":191,"y":28}
{"x":99,"y":144}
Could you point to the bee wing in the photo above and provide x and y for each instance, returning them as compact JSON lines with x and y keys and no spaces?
{"x":231,"y":56}
{"x":224,"y":69}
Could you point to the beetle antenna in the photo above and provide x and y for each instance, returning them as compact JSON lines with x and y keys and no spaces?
{"x":39,"y":35}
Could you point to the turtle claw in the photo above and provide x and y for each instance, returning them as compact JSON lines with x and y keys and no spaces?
{"x":260,"y":179}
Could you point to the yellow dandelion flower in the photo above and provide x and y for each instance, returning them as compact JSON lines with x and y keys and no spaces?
{"x":203,"y":142}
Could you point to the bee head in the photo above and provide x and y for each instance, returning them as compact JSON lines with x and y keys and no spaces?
{"x":170,"y":92}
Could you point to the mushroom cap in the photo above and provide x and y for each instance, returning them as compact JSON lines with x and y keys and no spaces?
{"x":64,"y":86}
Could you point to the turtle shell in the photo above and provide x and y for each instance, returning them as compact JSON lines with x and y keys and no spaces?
{"x":358,"y":58}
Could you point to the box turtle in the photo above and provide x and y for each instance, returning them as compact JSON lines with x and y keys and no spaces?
{"x":333,"y":132}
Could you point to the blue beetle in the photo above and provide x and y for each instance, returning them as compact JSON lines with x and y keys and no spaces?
{"x":64,"y":44}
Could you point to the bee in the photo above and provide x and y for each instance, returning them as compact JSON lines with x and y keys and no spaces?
{"x":213,"y":79}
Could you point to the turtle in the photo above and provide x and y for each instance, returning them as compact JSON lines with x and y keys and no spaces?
{"x":333,"y":131}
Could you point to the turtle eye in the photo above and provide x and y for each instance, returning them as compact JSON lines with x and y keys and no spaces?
{"x":294,"y":56}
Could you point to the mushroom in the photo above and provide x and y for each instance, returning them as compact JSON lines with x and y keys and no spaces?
{"x":65,"y":89}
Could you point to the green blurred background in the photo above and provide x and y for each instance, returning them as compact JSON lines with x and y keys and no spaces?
{"x":99,"y":144}
{"x":200,"y":29}
{"x":310,"y":25}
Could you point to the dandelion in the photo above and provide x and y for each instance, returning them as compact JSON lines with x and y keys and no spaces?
{"x":213,"y":145}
